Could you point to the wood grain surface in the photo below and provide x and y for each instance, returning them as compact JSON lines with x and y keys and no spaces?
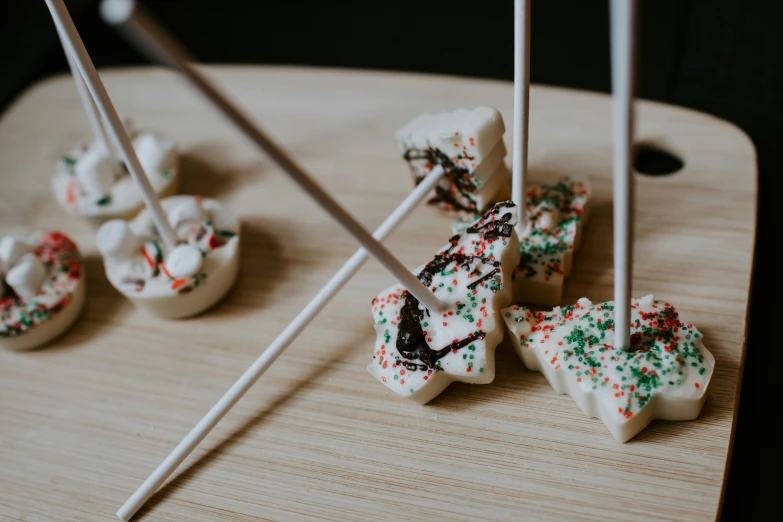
{"x":85,"y":420}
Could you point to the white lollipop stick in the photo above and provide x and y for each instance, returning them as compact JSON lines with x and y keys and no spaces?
{"x":623,"y":27}
{"x":157,"y":44}
{"x":93,"y":117}
{"x":521,"y":106}
{"x":122,"y":142}
{"x":262,"y":364}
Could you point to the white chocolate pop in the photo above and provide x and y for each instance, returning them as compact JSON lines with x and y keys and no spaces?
{"x":26,"y":276}
{"x":92,"y":183}
{"x":554,"y":216}
{"x":43,"y":289}
{"x":418,"y":353}
{"x":664,"y":375}
{"x":184,"y":280}
{"x":468,"y":144}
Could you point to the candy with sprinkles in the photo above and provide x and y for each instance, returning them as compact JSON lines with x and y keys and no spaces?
{"x":418,"y":353}
{"x":43,"y":289}
{"x":555,"y":214}
{"x":468,"y":145}
{"x":91,"y":182}
{"x":664,"y":374}
{"x":178,"y":281}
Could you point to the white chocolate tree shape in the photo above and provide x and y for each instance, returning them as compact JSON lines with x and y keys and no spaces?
{"x":554,"y":216}
{"x":468,"y":145}
{"x":664,"y":375}
{"x":418,"y":353}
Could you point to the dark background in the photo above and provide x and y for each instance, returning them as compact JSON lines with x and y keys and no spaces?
{"x":717,"y":56}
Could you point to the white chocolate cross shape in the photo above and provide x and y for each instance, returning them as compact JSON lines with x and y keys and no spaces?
{"x":418,"y":354}
{"x":664,"y":376}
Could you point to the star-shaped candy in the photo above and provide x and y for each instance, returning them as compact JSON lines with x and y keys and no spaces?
{"x":664,"y":374}
{"x":417,"y":352}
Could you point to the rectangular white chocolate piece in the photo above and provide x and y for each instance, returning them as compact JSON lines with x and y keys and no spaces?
{"x":468,"y":144}
{"x":554,"y":216}
{"x":664,"y":375}
{"x":417,"y":354}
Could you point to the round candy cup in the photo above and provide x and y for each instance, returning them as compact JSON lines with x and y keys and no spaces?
{"x":124,"y":199}
{"x":178,"y":298}
{"x":58,"y":303}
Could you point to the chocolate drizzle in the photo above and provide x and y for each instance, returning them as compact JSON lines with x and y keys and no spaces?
{"x":477,"y":282}
{"x":500,"y":227}
{"x":411,"y":342}
{"x":457,"y":177}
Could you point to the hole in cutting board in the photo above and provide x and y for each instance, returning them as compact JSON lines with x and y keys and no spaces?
{"x":653,"y":160}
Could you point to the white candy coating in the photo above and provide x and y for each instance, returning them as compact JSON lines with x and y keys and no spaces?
{"x":116,"y":240}
{"x":26,"y":276}
{"x":11,"y":250}
{"x":184,"y":261}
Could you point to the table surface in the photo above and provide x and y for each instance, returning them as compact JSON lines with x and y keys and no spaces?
{"x":85,"y":420}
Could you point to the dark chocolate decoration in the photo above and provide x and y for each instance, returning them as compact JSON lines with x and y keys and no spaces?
{"x":458,"y":177}
{"x":411,"y":342}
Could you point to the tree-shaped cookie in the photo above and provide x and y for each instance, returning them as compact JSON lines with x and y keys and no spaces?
{"x":664,"y":375}
{"x":417,"y":352}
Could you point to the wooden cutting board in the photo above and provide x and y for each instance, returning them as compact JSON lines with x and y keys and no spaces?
{"x":85,"y":420}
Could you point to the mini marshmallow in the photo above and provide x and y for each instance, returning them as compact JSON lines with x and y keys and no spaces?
{"x":154,"y":154}
{"x":184,"y":261}
{"x":187,"y":213}
{"x":468,"y":145}
{"x":11,"y":250}
{"x":116,"y":240}
{"x":96,"y":171}
{"x":26,"y":276}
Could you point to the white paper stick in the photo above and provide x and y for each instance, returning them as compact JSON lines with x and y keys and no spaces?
{"x":153,"y":40}
{"x":521,"y":105}
{"x":623,"y":29}
{"x":122,"y":142}
{"x":93,"y":117}
{"x":262,"y":364}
